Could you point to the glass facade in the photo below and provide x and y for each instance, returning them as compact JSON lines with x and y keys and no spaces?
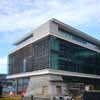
{"x":22,"y":85}
{"x":55,"y":53}
{"x":77,"y":38}
{"x":16,"y":86}
{"x":32,"y":57}
{"x":70,"y":57}
{"x":20,"y":59}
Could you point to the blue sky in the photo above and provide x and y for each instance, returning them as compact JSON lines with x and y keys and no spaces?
{"x":17,"y":17}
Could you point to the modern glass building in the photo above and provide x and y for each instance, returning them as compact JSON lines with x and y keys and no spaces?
{"x":57,"y":49}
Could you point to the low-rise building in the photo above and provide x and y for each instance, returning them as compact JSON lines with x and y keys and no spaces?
{"x":55,"y":60}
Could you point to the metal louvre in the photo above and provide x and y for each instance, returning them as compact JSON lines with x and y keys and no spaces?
{"x":35,"y":56}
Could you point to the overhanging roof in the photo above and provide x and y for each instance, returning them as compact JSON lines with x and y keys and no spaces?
{"x":53,"y":72}
{"x":68,"y":28}
{"x":76,"y":32}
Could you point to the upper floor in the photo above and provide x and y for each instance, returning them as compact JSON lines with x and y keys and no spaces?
{"x":61,"y":30}
{"x":56,"y":45}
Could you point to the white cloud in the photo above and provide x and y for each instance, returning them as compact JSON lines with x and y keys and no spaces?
{"x":28,"y":13}
{"x":17,"y":17}
{"x":3,"y":64}
{"x":20,"y":16}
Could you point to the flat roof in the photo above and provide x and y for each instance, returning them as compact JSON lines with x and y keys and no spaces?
{"x":68,"y":28}
{"x":76,"y":32}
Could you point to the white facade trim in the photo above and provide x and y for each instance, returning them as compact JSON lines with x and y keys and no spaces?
{"x":53,"y":72}
{"x":75,"y":42}
{"x":50,"y":28}
{"x":29,"y":41}
{"x":32,"y":40}
{"x":27,"y":74}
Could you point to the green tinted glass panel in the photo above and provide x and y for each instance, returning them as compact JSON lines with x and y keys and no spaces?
{"x":54,"y":44}
{"x":54,"y":61}
{"x":70,"y":57}
{"x":54,"y":56}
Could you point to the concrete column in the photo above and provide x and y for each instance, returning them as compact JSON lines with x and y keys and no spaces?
{"x":64,"y":89}
{"x":52,"y":89}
